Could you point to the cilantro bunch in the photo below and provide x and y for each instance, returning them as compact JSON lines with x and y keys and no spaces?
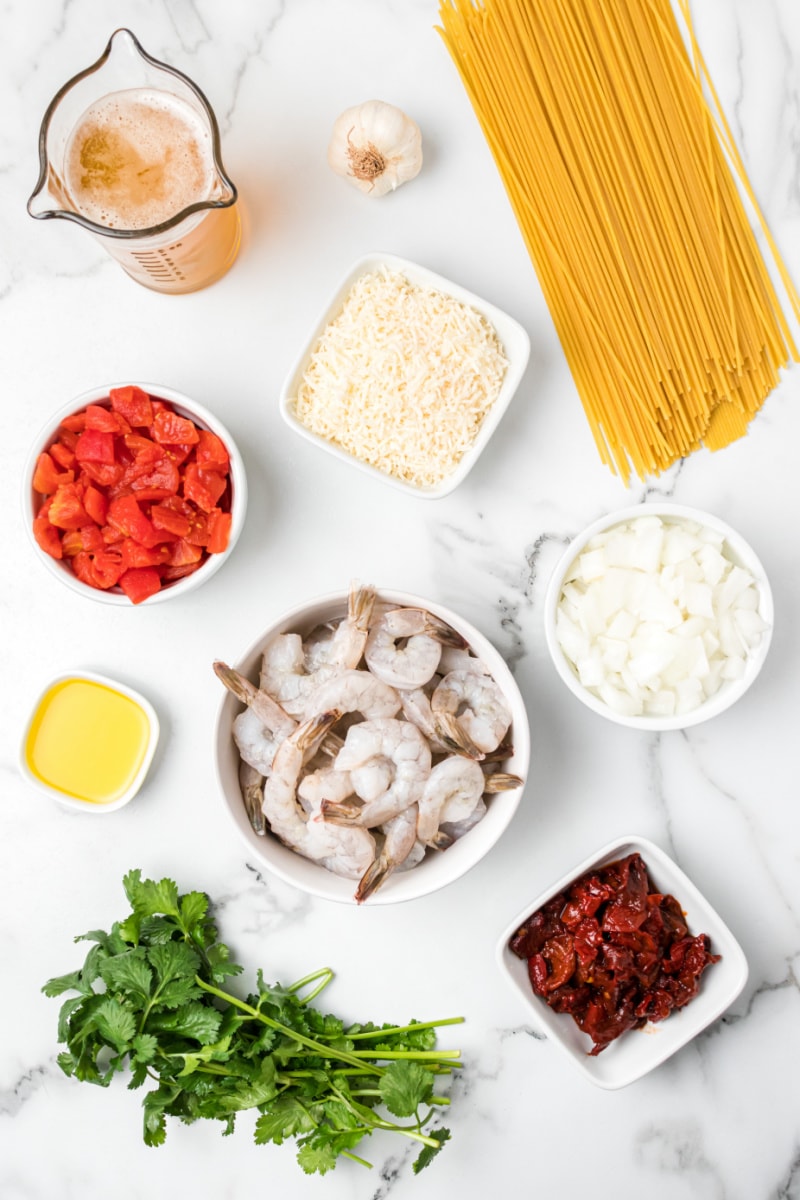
{"x":149,"y":997}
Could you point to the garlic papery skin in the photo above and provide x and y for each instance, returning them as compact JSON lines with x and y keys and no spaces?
{"x":376,"y":146}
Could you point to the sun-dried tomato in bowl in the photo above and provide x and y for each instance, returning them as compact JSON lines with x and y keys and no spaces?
{"x":612,"y":951}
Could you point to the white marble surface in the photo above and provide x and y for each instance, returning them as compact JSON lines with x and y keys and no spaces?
{"x":720,"y":1120}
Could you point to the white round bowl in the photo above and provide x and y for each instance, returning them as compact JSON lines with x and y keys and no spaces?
{"x":185,"y":407}
{"x":737,"y":550}
{"x":437,"y":868}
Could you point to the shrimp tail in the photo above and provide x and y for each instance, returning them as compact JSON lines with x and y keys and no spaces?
{"x":251,"y":783}
{"x":340,"y":812}
{"x":360,"y":603}
{"x":376,"y":873}
{"x":502,"y":782}
{"x":237,"y":684}
{"x":316,"y":729}
{"x":454,"y":738}
{"x":443,"y":633}
{"x":441,"y":840}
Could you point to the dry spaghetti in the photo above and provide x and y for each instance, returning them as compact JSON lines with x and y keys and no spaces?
{"x":617,"y":168}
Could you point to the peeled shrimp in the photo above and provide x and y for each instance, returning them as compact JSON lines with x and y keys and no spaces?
{"x":456,"y":778}
{"x":326,"y":783}
{"x":405,"y":644}
{"x":259,"y":730}
{"x":400,"y":838}
{"x":345,"y":851}
{"x":285,"y":670}
{"x":478,"y":705}
{"x":441,"y":729}
{"x":455,"y":658}
{"x":397,"y":742}
{"x":354,"y":692}
{"x":462,"y":809}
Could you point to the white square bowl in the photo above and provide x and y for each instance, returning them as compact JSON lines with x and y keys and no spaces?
{"x":637,"y":1051}
{"x":512,"y":336}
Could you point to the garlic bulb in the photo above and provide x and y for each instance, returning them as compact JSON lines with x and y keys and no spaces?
{"x":376,"y":146}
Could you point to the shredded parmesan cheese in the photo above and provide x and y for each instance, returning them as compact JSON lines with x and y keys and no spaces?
{"x":402,"y":378}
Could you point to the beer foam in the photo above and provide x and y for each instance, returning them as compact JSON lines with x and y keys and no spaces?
{"x":138,"y":158}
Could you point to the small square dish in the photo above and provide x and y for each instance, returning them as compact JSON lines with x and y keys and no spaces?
{"x":89,"y":742}
{"x":637,"y":1050}
{"x":419,"y":424}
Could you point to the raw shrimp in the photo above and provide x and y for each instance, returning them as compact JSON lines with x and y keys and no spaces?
{"x":399,"y":841}
{"x":455,"y":658}
{"x":456,"y":780}
{"x":461,"y":811}
{"x":354,"y":692}
{"x":347,"y":852}
{"x":401,"y":744}
{"x":441,"y":729}
{"x":259,"y":730}
{"x":477,"y":703}
{"x":405,"y":644}
{"x":326,"y":783}
{"x":251,"y":782}
{"x":285,"y":672}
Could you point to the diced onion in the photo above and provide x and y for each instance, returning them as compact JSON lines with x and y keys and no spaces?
{"x":655,"y":616}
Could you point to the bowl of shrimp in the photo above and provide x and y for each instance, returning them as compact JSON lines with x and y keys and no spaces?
{"x":371,"y":746}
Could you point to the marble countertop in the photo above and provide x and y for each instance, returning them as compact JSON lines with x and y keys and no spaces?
{"x":720,"y":1119}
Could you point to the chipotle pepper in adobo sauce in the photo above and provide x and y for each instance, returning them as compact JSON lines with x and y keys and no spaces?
{"x":612,"y":952}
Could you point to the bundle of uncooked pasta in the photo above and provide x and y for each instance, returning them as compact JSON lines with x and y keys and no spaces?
{"x":621,"y":173}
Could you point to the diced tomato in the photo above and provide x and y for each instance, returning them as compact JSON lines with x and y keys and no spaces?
{"x":170,"y":574}
{"x":183,"y":552}
{"x":62,"y":455}
{"x":198,"y":529}
{"x":143,"y":449}
{"x":105,"y":420}
{"x":112,"y":536}
{"x":211,"y":454}
{"x":68,"y":437}
{"x":133,"y":404}
{"x":94,"y":446}
{"x":163,"y":476}
{"x":203,"y":487}
{"x":88,"y":538}
{"x":103,"y":474}
{"x":66,"y":508}
{"x":169,"y":427}
{"x":96,"y":504}
{"x":169,"y":520}
{"x":219,"y":531}
{"x":140,"y":582}
{"x":177,"y":453}
{"x":101,"y":570}
{"x":47,"y":536}
{"x":47,"y":478}
{"x":135,"y":555}
{"x":125,"y":515}
{"x":75,"y":423}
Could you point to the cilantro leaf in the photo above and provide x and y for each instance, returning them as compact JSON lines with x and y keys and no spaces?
{"x":65,"y":983}
{"x":427,"y":1154}
{"x":286,"y":1118}
{"x":115,"y":1023}
{"x":194,"y":1019}
{"x":128,"y":973}
{"x":316,"y":1156}
{"x":149,"y":898}
{"x":404,"y":1086}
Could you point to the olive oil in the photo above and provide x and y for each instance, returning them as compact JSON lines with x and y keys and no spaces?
{"x":87,"y":740}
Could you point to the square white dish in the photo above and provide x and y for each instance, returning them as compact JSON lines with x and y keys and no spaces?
{"x":512,"y":336}
{"x":637,"y":1051}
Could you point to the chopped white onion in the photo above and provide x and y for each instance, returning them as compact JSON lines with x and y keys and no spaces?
{"x":655,"y":616}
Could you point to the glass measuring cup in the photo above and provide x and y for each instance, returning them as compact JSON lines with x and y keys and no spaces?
{"x":191,"y":231}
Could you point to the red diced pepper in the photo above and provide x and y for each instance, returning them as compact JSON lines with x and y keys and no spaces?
{"x":96,"y":504}
{"x":95,"y":446}
{"x":169,"y":427}
{"x":62,"y":455}
{"x":75,"y":423}
{"x":140,"y":582}
{"x":47,"y":536}
{"x":133,"y":404}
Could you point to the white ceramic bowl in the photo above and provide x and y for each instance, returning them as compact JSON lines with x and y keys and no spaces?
{"x":637,"y":1051}
{"x":514,"y":339}
{"x":438,"y":868}
{"x":185,"y":407}
{"x":736,"y":549}
{"x":52,"y":780}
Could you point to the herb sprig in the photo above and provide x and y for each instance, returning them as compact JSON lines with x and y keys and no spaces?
{"x":150,"y":998}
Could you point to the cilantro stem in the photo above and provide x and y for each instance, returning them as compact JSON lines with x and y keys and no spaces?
{"x":416,"y":1055}
{"x":368,"y":1116}
{"x":355,"y":1158}
{"x":324,"y":973}
{"x":326,"y":1051}
{"x":376,"y":1033}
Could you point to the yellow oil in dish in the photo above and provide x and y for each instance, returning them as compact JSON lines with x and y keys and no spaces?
{"x":87,"y":740}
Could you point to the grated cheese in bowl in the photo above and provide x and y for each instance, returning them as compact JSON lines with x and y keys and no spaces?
{"x":402,"y":377}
